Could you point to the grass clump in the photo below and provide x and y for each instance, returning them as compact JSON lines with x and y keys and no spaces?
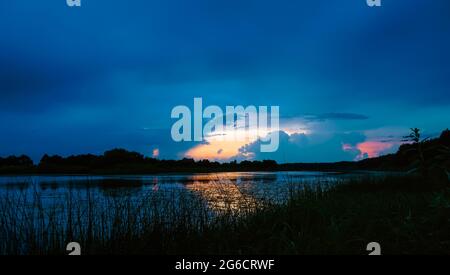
{"x":403,"y":214}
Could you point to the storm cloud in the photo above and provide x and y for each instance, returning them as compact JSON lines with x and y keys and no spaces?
{"x":76,"y":80}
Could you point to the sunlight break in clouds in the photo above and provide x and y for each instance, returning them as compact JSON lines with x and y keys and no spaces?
{"x":227,"y":144}
{"x":215,"y":150}
{"x":219,"y":147}
{"x":223,"y":133}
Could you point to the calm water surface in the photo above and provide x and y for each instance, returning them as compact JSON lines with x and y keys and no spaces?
{"x":50,"y":209}
{"x":217,"y":189}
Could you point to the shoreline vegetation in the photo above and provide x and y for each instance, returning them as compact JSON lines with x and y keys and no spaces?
{"x":120,"y":161}
{"x":406,"y":214}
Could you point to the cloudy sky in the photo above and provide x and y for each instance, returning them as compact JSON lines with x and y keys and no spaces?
{"x":350,"y":80}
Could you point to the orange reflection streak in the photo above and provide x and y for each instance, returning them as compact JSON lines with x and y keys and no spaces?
{"x":222,"y":195}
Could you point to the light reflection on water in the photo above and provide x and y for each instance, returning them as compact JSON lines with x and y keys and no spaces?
{"x":222,"y":193}
{"x":101,"y":207}
{"x":232,"y":191}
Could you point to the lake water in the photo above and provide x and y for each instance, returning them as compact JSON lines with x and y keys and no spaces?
{"x":219,"y":190}
{"x":51,"y":209}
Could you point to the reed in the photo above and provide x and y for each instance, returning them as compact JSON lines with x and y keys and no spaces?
{"x":403,"y":214}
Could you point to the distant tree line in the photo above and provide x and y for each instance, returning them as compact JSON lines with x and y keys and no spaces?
{"x":120,"y":161}
{"x":13,"y":164}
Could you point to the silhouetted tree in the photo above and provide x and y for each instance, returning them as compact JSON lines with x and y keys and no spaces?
{"x":432,"y":156}
{"x":16,"y":161}
{"x":415,"y":136}
{"x":121,"y":156}
{"x":445,"y":138}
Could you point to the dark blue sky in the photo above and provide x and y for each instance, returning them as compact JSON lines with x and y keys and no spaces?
{"x":350,"y":80}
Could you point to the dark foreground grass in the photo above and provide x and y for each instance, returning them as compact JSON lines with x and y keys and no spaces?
{"x":404,"y":215}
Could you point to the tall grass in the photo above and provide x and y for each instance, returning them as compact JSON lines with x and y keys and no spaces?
{"x":402,"y":214}
{"x":154,"y":222}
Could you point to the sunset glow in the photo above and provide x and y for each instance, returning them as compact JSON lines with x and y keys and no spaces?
{"x":226,"y":144}
{"x":373,"y":149}
{"x":216,"y":150}
{"x":369,"y":149}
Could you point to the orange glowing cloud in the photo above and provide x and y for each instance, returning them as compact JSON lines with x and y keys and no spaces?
{"x":216,"y":150}
{"x":347,"y":147}
{"x":155,"y":153}
{"x":373,"y":149}
{"x":225,"y":145}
